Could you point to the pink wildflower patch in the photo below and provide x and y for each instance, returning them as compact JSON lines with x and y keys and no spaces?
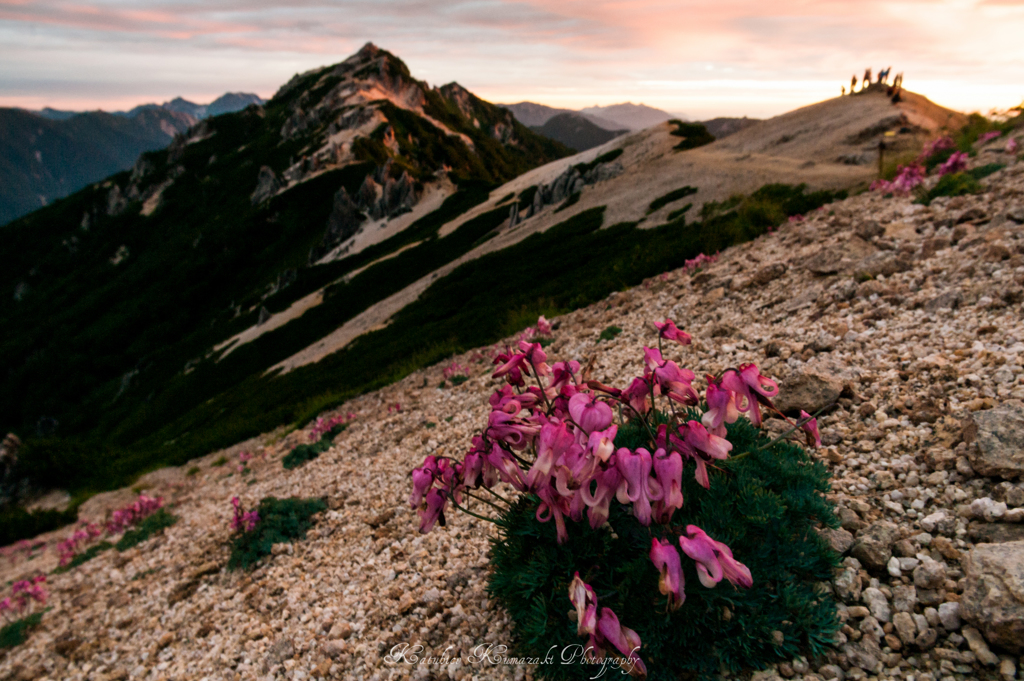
{"x":130,"y":515}
{"x":954,"y":164}
{"x":698,"y":262}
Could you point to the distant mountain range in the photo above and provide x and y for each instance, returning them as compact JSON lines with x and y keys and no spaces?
{"x":49,"y":154}
{"x":595,"y":125}
{"x":226,"y":103}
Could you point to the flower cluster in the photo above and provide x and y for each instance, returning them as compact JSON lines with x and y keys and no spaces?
{"x":395,"y":408}
{"x":989,"y":136}
{"x":243,"y":521}
{"x":554,"y":439}
{"x":123,"y":518}
{"x":243,"y":461}
{"x":323,"y":425}
{"x":85,"y":534}
{"x":937,"y":145}
{"x":954,"y":164}
{"x":1011,"y":145}
{"x":542,"y":329}
{"x":23,"y":547}
{"x":454,"y":370}
{"x":605,"y":633}
{"x":907,"y":177}
{"x":699,"y":261}
{"x":23,"y":594}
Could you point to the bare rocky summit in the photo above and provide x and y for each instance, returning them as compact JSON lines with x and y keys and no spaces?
{"x":906,"y":319}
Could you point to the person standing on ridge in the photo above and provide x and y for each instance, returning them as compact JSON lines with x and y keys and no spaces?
{"x":842,"y":90}
{"x":865,"y":82}
{"x":853,"y":84}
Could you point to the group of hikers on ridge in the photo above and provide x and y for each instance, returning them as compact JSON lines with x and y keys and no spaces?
{"x":892,"y":91}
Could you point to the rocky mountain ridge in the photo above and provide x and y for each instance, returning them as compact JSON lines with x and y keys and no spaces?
{"x":346,"y":165}
{"x":912,"y":340}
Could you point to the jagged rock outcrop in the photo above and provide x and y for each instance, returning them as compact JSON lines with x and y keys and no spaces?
{"x":267,"y":185}
{"x":116,"y":201}
{"x":9,"y":449}
{"x":384,"y":196}
{"x":343,"y":222}
{"x":570,"y":182}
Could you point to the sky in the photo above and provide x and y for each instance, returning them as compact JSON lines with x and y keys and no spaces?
{"x":696,"y":59}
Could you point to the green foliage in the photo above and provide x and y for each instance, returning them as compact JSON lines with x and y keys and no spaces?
{"x":16,"y":523}
{"x":694,"y":135}
{"x":458,"y":380}
{"x":150,"y":525}
{"x":678,"y":213}
{"x":15,"y":633}
{"x":281,"y":520}
{"x":307,"y":452}
{"x":610,"y":332}
{"x":765,"y":506}
{"x":985,"y":170}
{"x":85,"y":556}
{"x":193,"y":471}
{"x":221,"y":460}
{"x":953,"y":184}
{"x":673,"y":195}
{"x":572,"y":200}
{"x":303,"y":453}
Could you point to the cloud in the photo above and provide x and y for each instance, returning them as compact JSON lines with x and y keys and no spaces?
{"x":573,"y":51}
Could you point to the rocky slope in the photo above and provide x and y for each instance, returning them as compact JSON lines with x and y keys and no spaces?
{"x":906,"y":317}
{"x":241,"y":216}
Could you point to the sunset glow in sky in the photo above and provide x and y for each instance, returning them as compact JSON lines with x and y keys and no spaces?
{"x":698,"y":59}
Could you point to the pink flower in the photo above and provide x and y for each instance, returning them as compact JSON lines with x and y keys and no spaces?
{"x":671,"y":582}
{"x":750,"y":388}
{"x":584,"y":600}
{"x":625,"y":640}
{"x":553,"y":505}
{"x":554,"y":441}
{"x":954,"y":164}
{"x":433,"y":511}
{"x":636,"y":395}
{"x":599,"y":501}
{"x":511,"y":368}
{"x":701,"y":259}
{"x":714,"y":559}
{"x":668,"y":468}
{"x":721,"y":408}
{"x":588,"y":413}
{"x":810,"y":428}
{"x":601,"y":443}
{"x":1011,"y":146}
{"x":670,"y":380}
{"x":635,"y":468}
{"x":535,"y":357}
{"x":989,"y":136}
{"x":935,"y":146}
{"x":668,"y":331}
{"x":249,"y":520}
{"x":543,"y":326}
{"x":422,"y":480}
